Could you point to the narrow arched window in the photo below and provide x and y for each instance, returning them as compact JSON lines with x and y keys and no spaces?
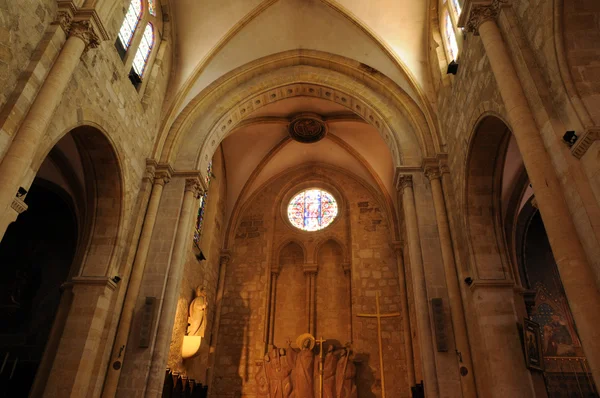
{"x":202,"y":208}
{"x":130,"y":23}
{"x":456,"y":6}
{"x":152,"y":8}
{"x":143,"y":53}
{"x":451,"y":43}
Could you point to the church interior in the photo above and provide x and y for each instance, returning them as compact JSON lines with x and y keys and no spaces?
{"x":300,"y":198}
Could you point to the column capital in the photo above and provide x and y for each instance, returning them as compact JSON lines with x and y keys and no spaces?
{"x":83,"y":23}
{"x":163,"y":174}
{"x":310,"y":269}
{"x":195,"y":186}
{"x":479,"y":11}
{"x":432,"y":172}
{"x":225,"y":257}
{"x":84,"y":30}
{"x":404,"y":181}
{"x":150,"y":171}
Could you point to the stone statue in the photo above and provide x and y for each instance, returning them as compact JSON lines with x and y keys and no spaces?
{"x":277,"y":372}
{"x":197,"y":318}
{"x":345,"y":376}
{"x":294,"y":373}
{"x":304,"y":366}
{"x":329,"y":368}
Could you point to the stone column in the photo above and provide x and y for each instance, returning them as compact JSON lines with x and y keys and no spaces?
{"x":81,"y":35}
{"x":310,"y":273}
{"x":459,"y":324}
{"x":408,"y":348}
{"x":162,"y":176}
{"x":58,"y":326}
{"x":404,"y":184}
{"x":214,"y":335}
{"x":575,"y":271}
{"x":347,"y":267}
{"x":272,"y":304}
{"x":79,"y":347}
{"x":183,"y":241}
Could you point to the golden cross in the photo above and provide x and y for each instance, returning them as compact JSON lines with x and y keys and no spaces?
{"x":379,"y":315}
{"x":321,"y":341}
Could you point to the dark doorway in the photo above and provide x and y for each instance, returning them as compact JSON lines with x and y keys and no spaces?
{"x":35,"y":258}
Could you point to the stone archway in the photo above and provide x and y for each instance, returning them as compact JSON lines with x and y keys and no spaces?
{"x":492,"y":297}
{"x":408,"y":131}
{"x":85,"y":165}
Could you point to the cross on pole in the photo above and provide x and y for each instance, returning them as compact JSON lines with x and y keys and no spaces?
{"x":321,"y":341}
{"x":379,"y":315}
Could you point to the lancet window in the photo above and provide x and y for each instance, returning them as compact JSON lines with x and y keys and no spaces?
{"x":451,"y":43}
{"x":130,"y":23}
{"x":143,"y":53}
{"x":202,"y":208}
{"x":151,"y":8}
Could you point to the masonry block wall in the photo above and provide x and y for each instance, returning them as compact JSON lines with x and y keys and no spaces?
{"x":362,"y":236}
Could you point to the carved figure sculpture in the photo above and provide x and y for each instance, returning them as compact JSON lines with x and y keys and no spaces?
{"x":329,"y":368}
{"x":197,"y":318}
{"x":294,"y":373}
{"x":303,"y":361}
{"x":345,"y":376}
{"x":278,"y":372}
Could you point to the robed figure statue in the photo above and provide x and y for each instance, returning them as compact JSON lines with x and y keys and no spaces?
{"x":294,"y":373}
{"x":345,"y":376}
{"x":274,"y":379}
{"x":304,"y":366}
{"x":329,"y":368}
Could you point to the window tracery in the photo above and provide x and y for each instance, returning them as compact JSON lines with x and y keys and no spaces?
{"x":130,"y":23}
{"x":312,"y":210}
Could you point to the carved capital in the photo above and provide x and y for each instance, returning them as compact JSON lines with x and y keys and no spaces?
{"x":84,"y":31}
{"x":404,"y":181}
{"x":64,"y":19}
{"x":193,"y":185}
{"x":480,"y":13}
{"x":432,"y":173}
{"x":163,"y":174}
{"x":444,"y":169}
{"x":150,"y":171}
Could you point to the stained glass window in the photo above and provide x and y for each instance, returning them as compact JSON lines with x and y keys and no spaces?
{"x":202,"y":208}
{"x":143,"y":53}
{"x":312,"y":210}
{"x":132,"y":18}
{"x":457,"y":7}
{"x":151,"y":8}
{"x":451,"y":43}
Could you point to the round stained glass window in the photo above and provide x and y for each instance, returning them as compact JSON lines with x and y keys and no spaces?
{"x":312,"y":210}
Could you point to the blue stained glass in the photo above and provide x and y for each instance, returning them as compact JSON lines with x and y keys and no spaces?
{"x":151,"y":8}
{"x":312,"y":210}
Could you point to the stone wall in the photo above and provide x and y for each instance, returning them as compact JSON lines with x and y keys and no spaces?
{"x":203,"y":274}
{"x":529,"y":28}
{"x":361,"y":236}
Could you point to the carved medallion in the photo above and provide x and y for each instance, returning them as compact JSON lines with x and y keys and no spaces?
{"x":307,"y":128}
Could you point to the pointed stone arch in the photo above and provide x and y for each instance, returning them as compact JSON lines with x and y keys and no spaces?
{"x":219,"y":109}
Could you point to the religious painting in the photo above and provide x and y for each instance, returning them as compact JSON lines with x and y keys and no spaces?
{"x":534,"y":358}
